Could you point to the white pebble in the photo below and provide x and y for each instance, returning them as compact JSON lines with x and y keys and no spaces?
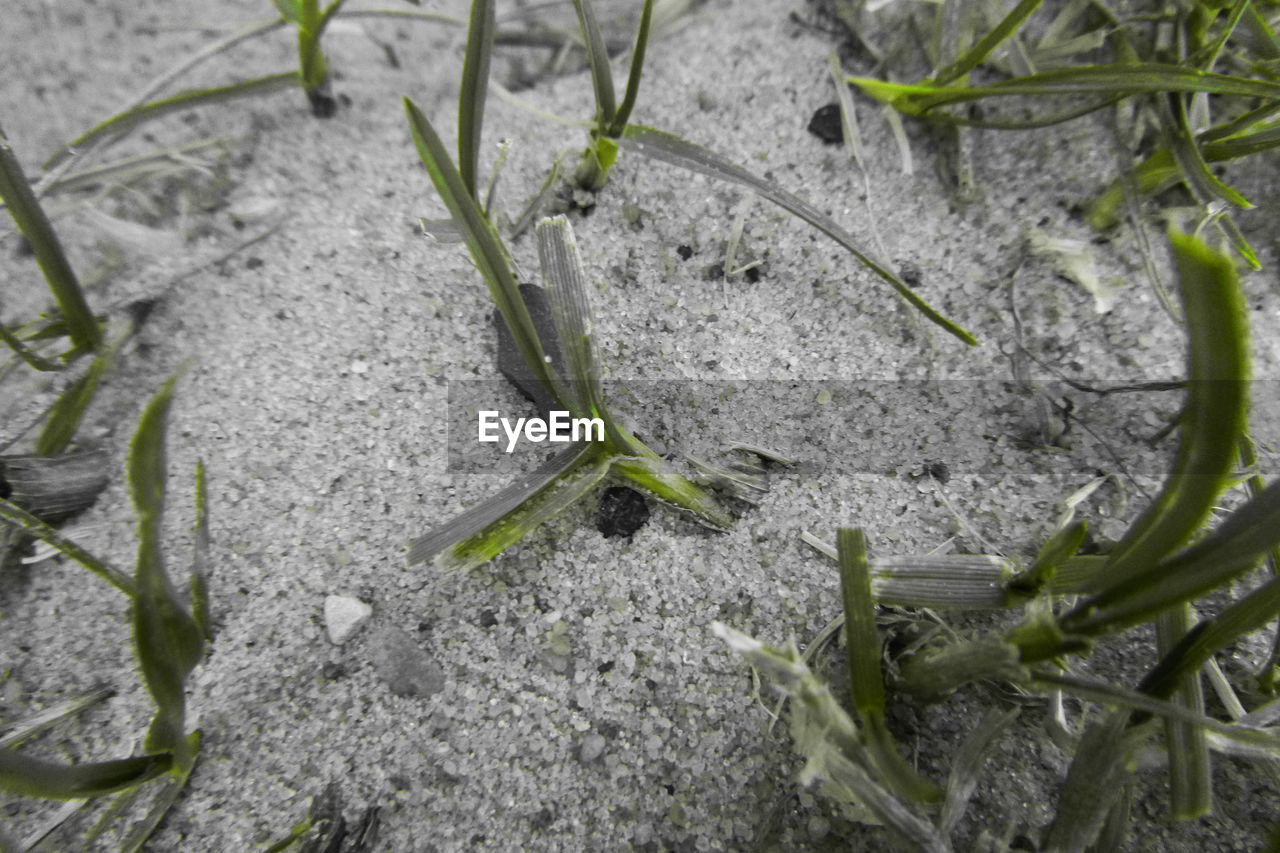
{"x":343,"y":616}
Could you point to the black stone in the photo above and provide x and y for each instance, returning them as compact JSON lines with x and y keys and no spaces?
{"x":825,"y":124}
{"x":512,"y":364}
{"x":488,"y":619}
{"x":622,"y":512}
{"x":685,"y":252}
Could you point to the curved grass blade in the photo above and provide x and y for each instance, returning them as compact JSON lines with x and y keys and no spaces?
{"x":1217,"y":398}
{"x":1197,"y":646}
{"x":970,"y":758}
{"x":598,"y":57}
{"x":131,"y":118}
{"x":34,"y":225}
{"x":676,"y":151}
{"x":475,"y":85}
{"x":866,"y":681}
{"x":485,"y":246}
{"x":16,"y":516}
{"x":974,"y":56}
{"x":633,"y":74}
{"x":169,"y":643}
{"x":48,"y":780}
{"x":484,"y":531}
{"x":1109,"y":80}
{"x":28,"y":355}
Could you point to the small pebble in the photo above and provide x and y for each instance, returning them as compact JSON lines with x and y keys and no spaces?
{"x":592,"y":748}
{"x":343,"y":616}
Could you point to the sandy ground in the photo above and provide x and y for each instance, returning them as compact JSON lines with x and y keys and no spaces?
{"x":582,"y":702}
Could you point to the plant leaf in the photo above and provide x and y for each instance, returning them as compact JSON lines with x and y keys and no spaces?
{"x":598,"y":57}
{"x":131,"y":118}
{"x":1190,"y":782}
{"x":48,"y":780}
{"x":671,"y":149}
{"x":970,"y":758}
{"x":16,"y":516}
{"x":34,"y":225}
{"x":169,"y":642}
{"x":633,"y":74}
{"x":982,"y":49}
{"x":482,"y":240}
{"x":653,"y":475}
{"x":486,"y":530}
{"x":64,"y":418}
{"x":475,"y":85}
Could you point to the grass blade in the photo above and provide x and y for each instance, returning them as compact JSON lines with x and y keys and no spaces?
{"x":971,"y":757}
{"x":475,"y":85}
{"x":1109,"y":80}
{"x":1217,"y":398}
{"x":653,"y":475}
{"x":31,"y":726}
{"x":64,"y":418}
{"x":1190,"y":782}
{"x":633,"y":74}
{"x":169,"y":642}
{"x":671,"y":149}
{"x":598,"y":57}
{"x":866,"y":681}
{"x":974,"y":56}
{"x":131,"y":118}
{"x":1094,"y":781}
{"x":164,"y":798}
{"x":482,"y":240}
{"x":200,"y":559}
{"x":48,"y":780}
{"x":1197,"y":646}
{"x":484,"y":531}
{"x":34,"y":225}
{"x":16,"y":516}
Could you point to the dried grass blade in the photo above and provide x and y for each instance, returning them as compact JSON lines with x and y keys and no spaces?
{"x":671,"y":149}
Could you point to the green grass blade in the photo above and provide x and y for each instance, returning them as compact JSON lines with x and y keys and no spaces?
{"x":28,"y":355}
{"x":475,"y":86}
{"x":598,"y":57}
{"x":1217,"y":398}
{"x":1251,"y":613}
{"x":168,"y":641}
{"x":623,"y":115}
{"x":862,"y":642}
{"x":653,"y":475}
{"x":200,"y":558}
{"x":675,"y":151}
{"x":1191,"y":161}
{"x":484,"y":531}
{"x":1190,"y":782}
{"x":482,"y":240}
{"x":16,"y":516}
{"x":974,"y":56}
{"x":34,"y":225}
{"x":164,"y":798}
{"x":48,"y":780}
{"x":131,"y":118}
{"x":866,"y":681}
{"x":1108,"y":80}
{"x":1061,"y":547}
{"x":1232,"y":549}
{"x":64,"y":418}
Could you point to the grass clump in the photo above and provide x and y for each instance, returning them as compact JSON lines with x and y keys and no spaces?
{"x":170,"y":637}
{"x":1153,"y":576}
